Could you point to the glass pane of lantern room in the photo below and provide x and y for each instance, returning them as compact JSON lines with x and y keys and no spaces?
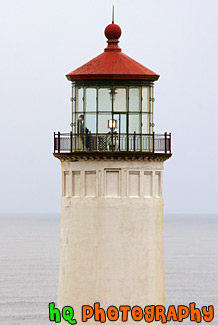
{"x":90,"y":123}
{"x":121,"y":130}
{"x":134,"y":99}
{"x":104,"y":100}
{"x":120,"y":100}
{"x":80,"y":123}
{"x":145,"y":99}
{"x":134,"y":125}
{"x":91,"y":94}
{"x":116,"y":118}
{"x":103,"y":123}
{"x":121,"y":123}
{"x":79,"y":100}
{"x":145,"y":124}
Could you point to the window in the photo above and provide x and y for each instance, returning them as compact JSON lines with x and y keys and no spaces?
{"x":120,"y":100}
{"x":145,"y":99}
{"x":104,"y":100}
{"x":134,"y":125}
{"x":80,"y":100}
{"x":103,"y":123}
{"x":134,"y":102}
{"x":91,"y":94}
{"x":90,"y":122}
{"x":145,"y":124}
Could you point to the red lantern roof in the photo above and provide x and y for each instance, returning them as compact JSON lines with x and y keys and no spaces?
{"x":112,"y":63}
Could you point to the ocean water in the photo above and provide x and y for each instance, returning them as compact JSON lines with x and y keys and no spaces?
{"x":191,"y":262}
{"x":29,"y":258}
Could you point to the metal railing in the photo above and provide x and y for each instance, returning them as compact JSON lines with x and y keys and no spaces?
{"x":112,"y":142}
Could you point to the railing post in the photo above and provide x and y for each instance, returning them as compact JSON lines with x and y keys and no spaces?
{"x":170,"y":142}
{"x":71,"y":141}
{"x":153,"y":141}
{"x":127,"y":142}
{"x":165,"y":138}
{"x":83,"y":140}
{"x":54,"y":143}
{"x":59,"y":141}
{"x":112,"y":141}
{"x":134,"y":141}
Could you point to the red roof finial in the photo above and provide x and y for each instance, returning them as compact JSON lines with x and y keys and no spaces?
{"x":113,"y":33}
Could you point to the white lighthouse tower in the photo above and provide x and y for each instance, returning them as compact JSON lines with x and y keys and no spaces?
{"x":112,"y":231}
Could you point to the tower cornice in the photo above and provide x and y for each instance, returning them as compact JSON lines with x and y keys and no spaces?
{"x":112,"y":156}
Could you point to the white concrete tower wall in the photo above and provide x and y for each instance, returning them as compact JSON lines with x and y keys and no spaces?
{"x":112,"y":234}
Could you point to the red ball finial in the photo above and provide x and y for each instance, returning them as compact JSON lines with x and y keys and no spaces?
{"x":113,"y":31}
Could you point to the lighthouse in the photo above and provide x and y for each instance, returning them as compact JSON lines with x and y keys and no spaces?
{"x":112,"y":230}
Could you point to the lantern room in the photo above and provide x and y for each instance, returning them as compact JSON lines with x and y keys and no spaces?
{"x":112,"y":105}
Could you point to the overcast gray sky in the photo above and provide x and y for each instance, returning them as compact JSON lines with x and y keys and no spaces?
{"x":42,"y":40}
